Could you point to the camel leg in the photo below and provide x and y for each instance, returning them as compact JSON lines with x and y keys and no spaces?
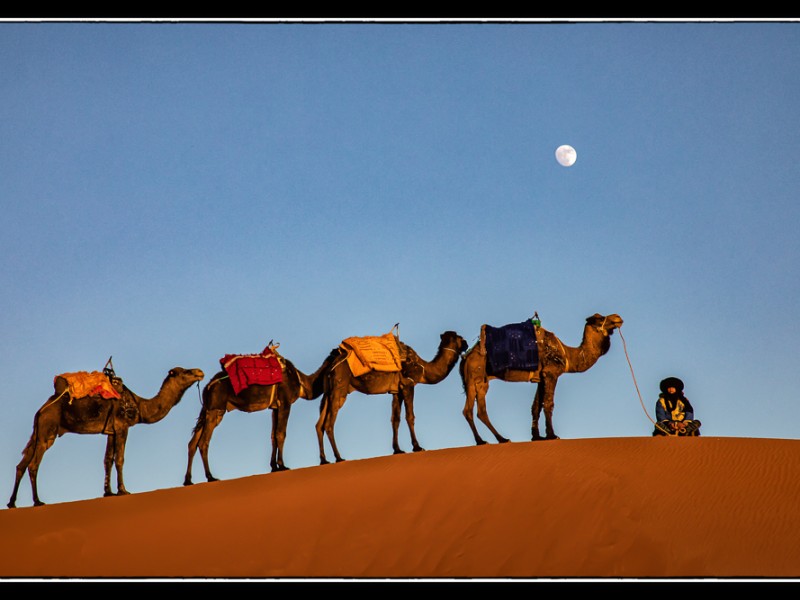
{"x":323,"y":412}
{"x":213,"y":418}
{"x":469,"y":406}
{"x":408,"y":400}
{"x":536,"y":410}
{"x":548,"y":404}
{"x":328,"y":410}
{"x":280,"y":422}
{"x":329,"y":427}
{"x":21,"y":468}
{"x":43,"y":437}
{"x":396,"y":407}
{"x":198,"y":430}
{"x":119,"y":460}
{"x":27,"y":458}
{"x":108,"y":461}
{"x":476,"y":386}
{"x":330,"y":421}
{"x":33,"y":467}
{"x":481,"y":389}
{"x":202,"y":433}
{"x":31,"y":459}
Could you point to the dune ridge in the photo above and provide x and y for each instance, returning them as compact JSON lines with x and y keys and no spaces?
{"x":581,"y":508}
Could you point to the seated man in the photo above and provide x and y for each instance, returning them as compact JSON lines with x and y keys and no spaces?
{"x":674,"y":412}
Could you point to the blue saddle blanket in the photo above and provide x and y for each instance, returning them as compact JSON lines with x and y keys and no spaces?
{"x":512,"y":347}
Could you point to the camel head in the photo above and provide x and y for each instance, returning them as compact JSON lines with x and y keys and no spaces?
{"x":604,"y":324}
{"x":185,"y":376}
{"x":450,"y":339}
{"x":177,"y":382}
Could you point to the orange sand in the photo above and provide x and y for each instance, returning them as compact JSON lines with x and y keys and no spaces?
{"x":585,"y":508}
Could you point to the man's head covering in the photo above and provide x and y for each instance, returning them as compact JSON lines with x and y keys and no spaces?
{"x":671,"y":382}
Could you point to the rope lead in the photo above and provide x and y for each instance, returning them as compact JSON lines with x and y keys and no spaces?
{"x":625,"y":347}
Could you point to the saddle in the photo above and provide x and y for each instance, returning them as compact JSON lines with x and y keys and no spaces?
{"x":106,"y":385}
{"x":245,"y":370}
{"x":372,"y":353}
{"x":511,"y":347}
{"x":94,"y":383}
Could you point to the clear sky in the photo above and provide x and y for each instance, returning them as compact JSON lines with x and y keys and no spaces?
{"x":174,"y":192}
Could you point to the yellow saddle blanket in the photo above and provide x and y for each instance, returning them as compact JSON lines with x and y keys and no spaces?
{"x":83,"y":383}
{"x":372,"y":353}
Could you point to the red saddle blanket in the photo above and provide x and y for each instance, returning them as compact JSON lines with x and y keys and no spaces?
{"x":252,"y":369}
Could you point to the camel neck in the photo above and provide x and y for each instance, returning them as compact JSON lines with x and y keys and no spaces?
{"x":154,"y":409}
{"x":593,"y":345}
{"x":312,"y":386}
{"x":441,"y":365}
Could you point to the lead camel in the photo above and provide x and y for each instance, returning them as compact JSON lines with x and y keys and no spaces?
{"x":555,"y":359}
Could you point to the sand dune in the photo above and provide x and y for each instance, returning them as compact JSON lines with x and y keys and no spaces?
{"x":584,"y":508}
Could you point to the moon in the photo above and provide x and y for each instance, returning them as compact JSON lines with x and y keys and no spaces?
{"x":566,"y":155}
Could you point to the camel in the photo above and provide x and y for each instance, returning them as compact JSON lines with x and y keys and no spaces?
{"x":219,"y":398}
{"x":94,"y":414}
{"x":555,"y":359}
{"x":339,"y":382}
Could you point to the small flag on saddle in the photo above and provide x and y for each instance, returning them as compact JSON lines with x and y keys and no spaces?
{"x":245,"y":370}
{"x":512,"y":347}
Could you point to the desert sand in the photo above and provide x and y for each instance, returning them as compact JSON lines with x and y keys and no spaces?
{"x":706,"y":508}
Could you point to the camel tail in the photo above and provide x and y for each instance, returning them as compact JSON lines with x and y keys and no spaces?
{"x":32,"y":441}
{"x":201,"y":418}
{"x":30,"y":447}
{"x":290,"y":373}
{"x":201,"y":421}
{"x":462,"y":370}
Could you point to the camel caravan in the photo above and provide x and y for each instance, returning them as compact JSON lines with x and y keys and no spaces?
{"x":99,"y":402}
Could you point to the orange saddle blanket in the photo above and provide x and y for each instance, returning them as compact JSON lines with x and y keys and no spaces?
{"x":252,"y":369}
{"x":83,"y":383}
{"x":372,"y":353}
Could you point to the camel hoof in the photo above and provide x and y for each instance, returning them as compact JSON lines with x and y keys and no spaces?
{"x":398,"y":451}
{"x":419,"y":449}
{"x":38,"y":503}
{"x":480,"y":442}
{"x":123,"y":493}
{"x":211,"y":479}
{"x":187,"y":482}
{"x":11,"y":505}
{"x":107,"y":493}
{"x":503,"y":440}
{"x":552,"y":437}
{"x":281,"y":468}
{"x":338,"y":460}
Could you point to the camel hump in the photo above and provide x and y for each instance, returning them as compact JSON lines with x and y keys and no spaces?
{"x":407,"y":353}
{"x":60,"y":385}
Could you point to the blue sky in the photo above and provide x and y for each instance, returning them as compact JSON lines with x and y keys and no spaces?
{"x":174,"y":192}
